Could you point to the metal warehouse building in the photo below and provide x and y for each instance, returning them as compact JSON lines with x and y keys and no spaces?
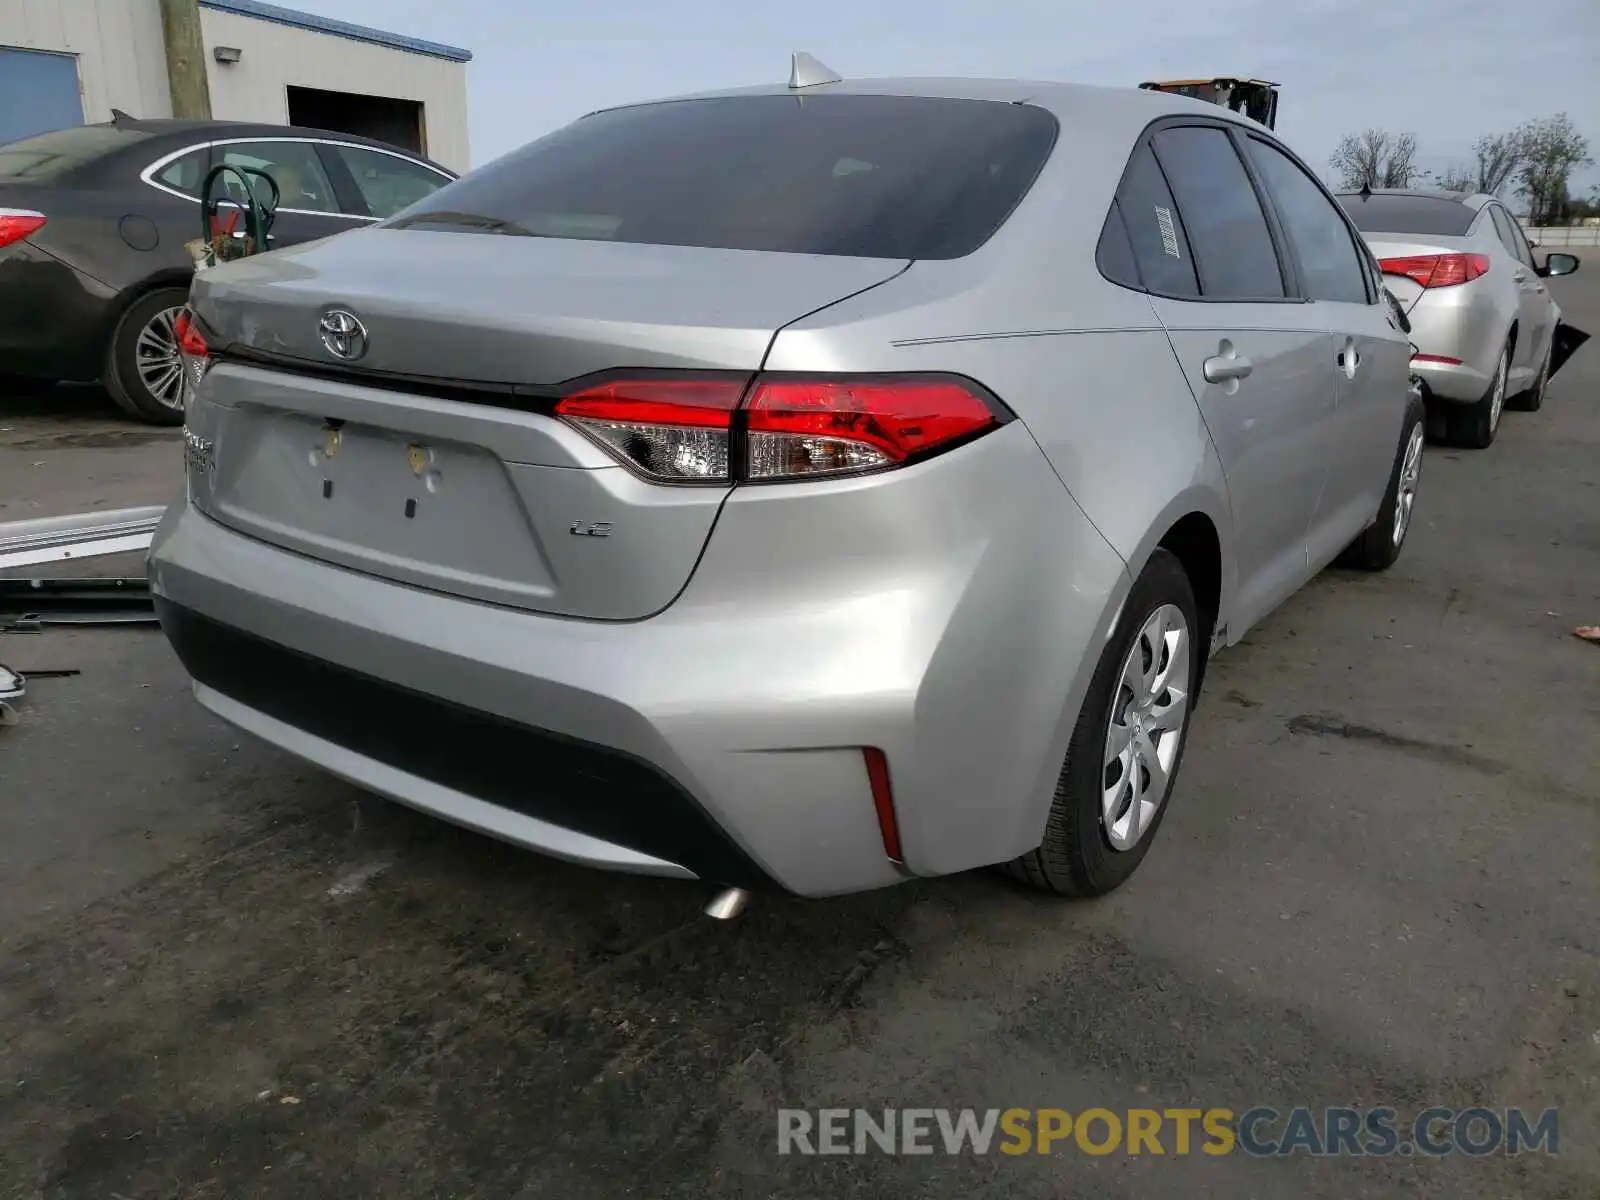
{"x":68,"y":62}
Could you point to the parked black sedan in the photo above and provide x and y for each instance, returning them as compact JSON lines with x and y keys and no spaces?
{"x":94,"y":221}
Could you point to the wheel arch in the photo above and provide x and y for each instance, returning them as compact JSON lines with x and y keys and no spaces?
{"x":176,"y":277}
{"x":1197,"y":527}
{"x":1193,"y":539}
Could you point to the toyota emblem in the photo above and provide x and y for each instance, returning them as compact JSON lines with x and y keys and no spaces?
{"x":343,"y":334}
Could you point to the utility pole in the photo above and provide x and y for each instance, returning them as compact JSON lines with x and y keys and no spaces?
{"x":186,"y":59}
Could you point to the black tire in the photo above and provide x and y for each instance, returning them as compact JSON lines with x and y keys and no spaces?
{"x":1076,"y":857}
{"x":1474,"y":425}
{"x":1532,"y":400}
{"x":1377,"y":549}
{"x":122,"y":377}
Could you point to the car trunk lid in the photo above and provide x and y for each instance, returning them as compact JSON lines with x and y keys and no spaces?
{"x":429,"y":454}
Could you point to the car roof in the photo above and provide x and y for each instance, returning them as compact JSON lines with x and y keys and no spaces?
{"x":166,"y":134}
{"x":171,"y":128}
{"x":1074,"y":101}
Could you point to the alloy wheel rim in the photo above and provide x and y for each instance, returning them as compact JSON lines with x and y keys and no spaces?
{"x":1406,"y":490}
{"x":156,"y":358}
{"x":1149,"y":716}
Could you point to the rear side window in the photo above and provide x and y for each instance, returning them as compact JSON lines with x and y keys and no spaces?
{"x":294,"y":167}
{"x":1154,"y":230}
{"x":1330,"y":266}
{"x":863,"y":176}
{"x":387,"y":182}
{"x":51,"y":155}
{"x":1428,"y":215}
{"x":1519,"y":238}
{"x":1502,"y":228}
{"x":1232,"y":245}
{"x":1115,"y":252}
{"x":1511,"y":234}
{"x":186,"y":174}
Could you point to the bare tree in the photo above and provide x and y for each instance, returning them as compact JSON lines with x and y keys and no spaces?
{"x":1498,"y":156}
{"x":1375,"y":158}
{"x":1554,"y":149}
{"x":1458,"y":177}
{"x":1399,"y":168}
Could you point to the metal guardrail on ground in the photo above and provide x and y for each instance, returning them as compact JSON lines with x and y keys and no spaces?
{"x":81,"y":535}
{"x":1557,"y":236}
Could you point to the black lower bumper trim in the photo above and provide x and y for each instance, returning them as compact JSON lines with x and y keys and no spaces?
{"x":577,"y":785}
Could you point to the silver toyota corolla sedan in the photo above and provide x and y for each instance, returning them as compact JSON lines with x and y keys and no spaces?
{"x":802,"y":487}
{"x":1484,"y":322}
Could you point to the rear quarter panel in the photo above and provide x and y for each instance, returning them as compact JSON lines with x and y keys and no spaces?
{"x":1090,"y":372}
{"x":1085,"y":364}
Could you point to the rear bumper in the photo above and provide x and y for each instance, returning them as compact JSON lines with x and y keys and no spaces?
{"x":1456,"y":383}
{"x":53,"y":319}
{"x":722,"y":738}
{"x":1465,"y":324}
{"x":473,"y":767}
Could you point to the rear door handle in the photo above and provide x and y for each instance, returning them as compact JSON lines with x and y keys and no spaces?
{"x":1220,"y":368}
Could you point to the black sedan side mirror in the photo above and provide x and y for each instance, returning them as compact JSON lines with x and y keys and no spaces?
{"x":1556,"y":263}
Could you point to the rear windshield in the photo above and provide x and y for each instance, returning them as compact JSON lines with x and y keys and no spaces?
{"x":1408,"y":214}
{"x":50,"y":155}
{"x":864,"y":176}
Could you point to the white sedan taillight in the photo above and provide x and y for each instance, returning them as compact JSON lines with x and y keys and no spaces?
{"x":715,"y":429}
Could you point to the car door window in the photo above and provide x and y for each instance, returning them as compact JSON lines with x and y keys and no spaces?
{"x":1232,"y":245}
{"x":1330,"y":267}
{"x":387,"y":182}
{"x":1503,"y":229}
{"x":302,"y":183}
{"x":1519,"y":239}
{"x":1153,"y":230}
{"x":186,"y":173}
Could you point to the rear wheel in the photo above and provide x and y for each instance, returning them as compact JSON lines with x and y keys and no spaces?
{"x":143,"y":372}
{"x":1380,"y":543}
{"x":1125,"y":751}
{"x":1474,"y":425}
{"x":1532,"y":400}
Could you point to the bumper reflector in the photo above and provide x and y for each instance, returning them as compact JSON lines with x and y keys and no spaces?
{"x":883,"y":801}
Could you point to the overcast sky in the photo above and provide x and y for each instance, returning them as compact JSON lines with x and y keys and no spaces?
{"x":1447,"y":70}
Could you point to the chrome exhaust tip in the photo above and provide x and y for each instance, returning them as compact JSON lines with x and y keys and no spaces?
{"x":728,"y":904}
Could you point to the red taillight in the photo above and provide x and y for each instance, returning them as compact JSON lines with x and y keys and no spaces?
{"x":673,"y":430}
{"x":18,"y":223}
{"x":800,"y":427}
{"x":190,"y":340}
{"x":686,"y":430}
{"x":883,"y":802}
{"x":192,"y":349}
{"x":1437,"y":270}
{"x":1436,"y":358}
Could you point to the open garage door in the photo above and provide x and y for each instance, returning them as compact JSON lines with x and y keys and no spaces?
{"x":383,"y":118}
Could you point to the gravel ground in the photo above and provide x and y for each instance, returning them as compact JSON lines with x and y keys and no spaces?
{"x":223,"y":973}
